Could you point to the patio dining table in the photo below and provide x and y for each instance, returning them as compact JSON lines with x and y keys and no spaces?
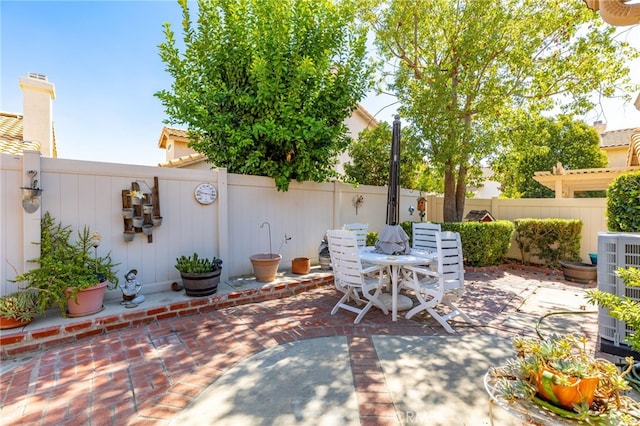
{"x":395,"y":263}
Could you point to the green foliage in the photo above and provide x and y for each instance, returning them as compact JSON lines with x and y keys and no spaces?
{"x":623,"y":203}
{"x":264,"y":86}
{"x":64,"y":264}
{"x":550,"y":240}
{"x":372,"y":238}
{"x":538,"y":145}
{"x":622,"y":308}
{"x":370,"y":160}
{"x":22,"y":305}
{"x":485,"y":59}
{"x":483,"y":243}
{"x":195,"y":265}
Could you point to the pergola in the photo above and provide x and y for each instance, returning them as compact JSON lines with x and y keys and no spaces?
{"x":567,"y":182}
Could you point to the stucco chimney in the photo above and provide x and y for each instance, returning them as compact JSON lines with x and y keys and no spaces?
{"x":600,"y":126}
{"x":37,"y":97}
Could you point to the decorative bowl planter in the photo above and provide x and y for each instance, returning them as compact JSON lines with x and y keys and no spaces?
{"x":579,"y":272}
{"x":88,"y":301}
{"x":127,"y":212}
{"x":157,"y":220}
{"x":566,"y":396}
{"x":147,"y":229}
{"x":265,"y":266}
{"x":128,"y":235}
{"x":138,"y":221}
{"x":301,"y":265}
{"x":135,"y":201}
{"x":147,"y":208}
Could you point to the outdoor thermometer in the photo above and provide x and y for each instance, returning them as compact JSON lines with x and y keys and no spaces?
{"x":205,"y":193}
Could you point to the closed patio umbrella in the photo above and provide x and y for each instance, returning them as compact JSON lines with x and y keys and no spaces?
{"x":393,"y":239}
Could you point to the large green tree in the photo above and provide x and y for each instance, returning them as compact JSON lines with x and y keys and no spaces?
{"x":538,"y":145}
{"x":370,"y":155}
{"x":264,"y":86}
{"x":459,"y":67}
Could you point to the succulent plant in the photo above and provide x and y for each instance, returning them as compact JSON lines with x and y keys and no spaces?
{"x":21,"y":305}
{"x":194,"y":264}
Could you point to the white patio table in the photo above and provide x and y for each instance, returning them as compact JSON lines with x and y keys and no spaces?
{"x":395,"y":264}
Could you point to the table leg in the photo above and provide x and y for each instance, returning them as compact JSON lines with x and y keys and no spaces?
{"x":394,"y":292}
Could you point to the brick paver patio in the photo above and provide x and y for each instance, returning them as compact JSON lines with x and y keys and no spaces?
{"x":147,"y":374}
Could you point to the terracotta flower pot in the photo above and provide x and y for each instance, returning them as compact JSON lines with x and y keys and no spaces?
{"x":301,"y":265}
{"x":581,"y":389}
{"x":265,"y":266}
{"x":579,"y":272}
{"x":7,"y":323}
{"x":87,"y":302}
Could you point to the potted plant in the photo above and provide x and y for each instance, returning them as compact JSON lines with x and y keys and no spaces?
{"x":559,"y":374}
{"x":18,"y":309}
{"x":200,"y":276}
{"x":265,"y":265}
{"x":69,"y":273}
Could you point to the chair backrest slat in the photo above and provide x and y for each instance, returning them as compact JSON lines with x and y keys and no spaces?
{"x":450,"y":260}
{"x":423,"y":235}
{"x":360,"y":229}
{"x":345,"y":258}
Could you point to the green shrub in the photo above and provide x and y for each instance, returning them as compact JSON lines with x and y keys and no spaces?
{"x":550,"y":240}
{"x":483,"y":243}
{"x":623,"y":203}
{"x":372,"y":238}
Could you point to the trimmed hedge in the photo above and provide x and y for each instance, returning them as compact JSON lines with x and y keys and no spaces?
{"x":550,"y":240}
{"x":483,"y":243}
{"x":623,"y":203}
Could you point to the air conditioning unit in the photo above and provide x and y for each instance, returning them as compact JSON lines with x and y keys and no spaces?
{"x":616,"y":250}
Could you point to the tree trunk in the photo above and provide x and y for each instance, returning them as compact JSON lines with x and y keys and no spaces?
{"x":454,"y":193}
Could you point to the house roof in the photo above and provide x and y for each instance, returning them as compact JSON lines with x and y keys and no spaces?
{"x":183,"y":161}
{"x":616,"y":138}
{"x":11,"y":134}
{"x":167,"y":133}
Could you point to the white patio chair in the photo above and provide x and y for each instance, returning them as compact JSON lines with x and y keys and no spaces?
{"x":360,"y":230}
{"x":350,"y":278}
{"x":442,"y":286}
{"x":423,"y":235}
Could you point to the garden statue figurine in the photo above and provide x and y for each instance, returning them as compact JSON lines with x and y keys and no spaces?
{"x":130,"y":289}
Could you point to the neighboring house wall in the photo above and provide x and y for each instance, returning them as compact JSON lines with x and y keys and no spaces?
{"x":32,"y":130}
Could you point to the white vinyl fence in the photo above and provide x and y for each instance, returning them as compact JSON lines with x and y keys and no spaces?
{"x":79,"y":193}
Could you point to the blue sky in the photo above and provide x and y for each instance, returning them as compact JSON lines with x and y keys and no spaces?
{"x":102,"y":57}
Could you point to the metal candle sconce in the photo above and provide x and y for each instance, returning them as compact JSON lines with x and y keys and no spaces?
{"x":31,"y":195}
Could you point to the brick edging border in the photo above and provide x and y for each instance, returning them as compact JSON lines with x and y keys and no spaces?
{"x":21,"y":342}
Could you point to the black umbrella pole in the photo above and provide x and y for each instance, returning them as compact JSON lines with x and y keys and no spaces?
{"x":393,"y":191}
